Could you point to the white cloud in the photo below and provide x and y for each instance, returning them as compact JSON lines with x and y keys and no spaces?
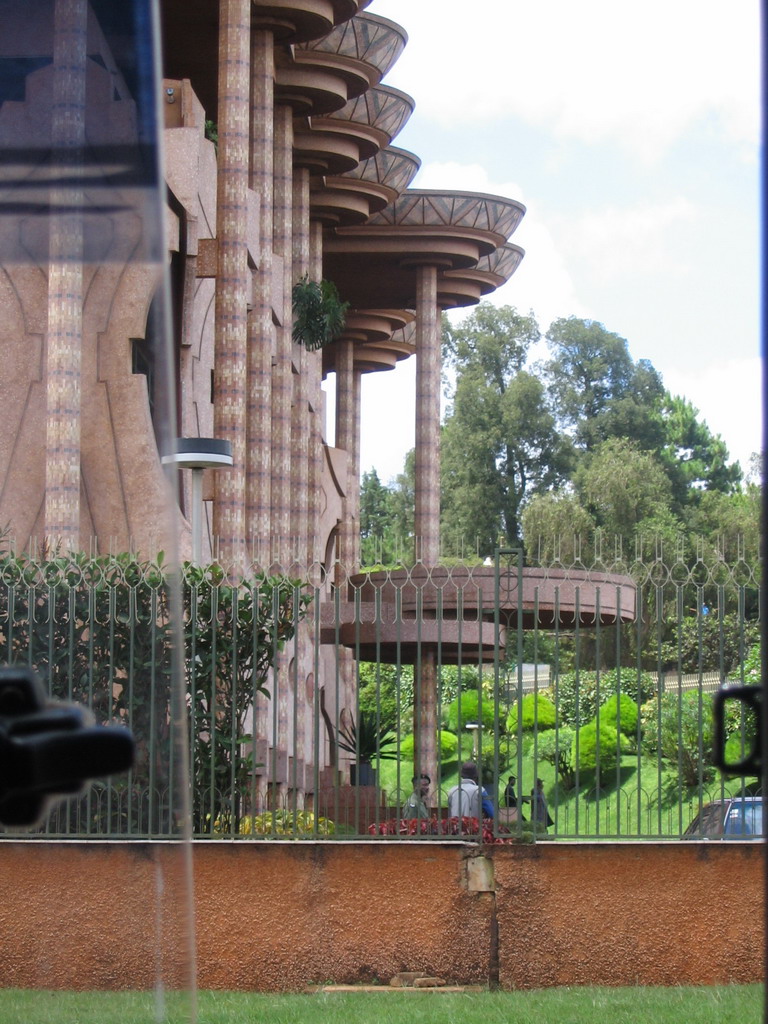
{"x":594,"y":70}
{"x":617,"y":242}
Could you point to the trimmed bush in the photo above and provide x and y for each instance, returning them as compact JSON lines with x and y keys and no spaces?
{"x":583,"y":693}
{"x":538,"y":712}
{"x":596,"y":746}
{"x":469,"y":711}
{"x":620,"y":712}
{"x":449,"y":746}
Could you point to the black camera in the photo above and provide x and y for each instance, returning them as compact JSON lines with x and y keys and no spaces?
{"x":48,"y":748}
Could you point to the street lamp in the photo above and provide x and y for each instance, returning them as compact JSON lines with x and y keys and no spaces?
{"x":474,"y":729}
{"x":197,"y":454}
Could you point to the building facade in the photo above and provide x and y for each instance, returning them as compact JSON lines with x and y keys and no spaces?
{"x":279,"y":167}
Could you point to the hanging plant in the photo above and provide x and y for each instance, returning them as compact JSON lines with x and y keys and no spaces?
{"x":318,"y":313}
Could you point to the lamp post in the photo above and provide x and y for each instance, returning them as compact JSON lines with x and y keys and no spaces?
{"x":197,"y":454}
{"x":474,"y":729}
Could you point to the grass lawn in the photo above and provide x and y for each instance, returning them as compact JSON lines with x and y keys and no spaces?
{"x":732,"y":1004}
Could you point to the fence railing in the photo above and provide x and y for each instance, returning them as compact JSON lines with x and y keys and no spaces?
{"x":596,"y":683}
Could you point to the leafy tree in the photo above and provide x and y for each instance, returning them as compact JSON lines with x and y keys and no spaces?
{"x":99,"y":630}
{"x":402,"y":504}
{"x":685,"y":733}
{"x":558,"y":530}
{"x":624,"y":488}
{"x":708,"y":643}
{"x":729,"y":524}
{"x":499,"y":441}
{"x":556,"y":747}
{"x":695,"y":459}
{"x":589,"y":368}
{"x":375,"y":518}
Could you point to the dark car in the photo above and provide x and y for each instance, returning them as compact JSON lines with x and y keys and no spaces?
{"x":738,"y":817}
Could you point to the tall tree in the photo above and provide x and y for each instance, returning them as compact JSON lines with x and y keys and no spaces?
{"x":695,"y":459}
{"x":625,"y":489}
{"x":499,"y":442}
{"x":589,"y":369}
{"x":375,"y":517}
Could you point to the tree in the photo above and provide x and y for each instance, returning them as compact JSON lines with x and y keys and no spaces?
{"x":375,"y":518}
{"x":589,"y":368}
{"x":499,"y":441}
{"x":386,"y":516}
{"x":694,"y":458}
{"x":625,"y":488}
{"x":557,"y":529}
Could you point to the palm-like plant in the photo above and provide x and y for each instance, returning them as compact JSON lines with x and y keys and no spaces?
{"x":366,"y":739}
{"x":318,"y":313}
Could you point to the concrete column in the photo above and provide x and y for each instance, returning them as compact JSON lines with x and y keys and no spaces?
{"x":282,"y":383}
{"x":65,"y":289}
{"x":427,"y":499}
{"x":300,"y":419}
{"x":347,"y":439}
{"x":427,"y":454}
{"x":316,"y":544}
{"x":231,"y":323}
{"x":261,"y":332}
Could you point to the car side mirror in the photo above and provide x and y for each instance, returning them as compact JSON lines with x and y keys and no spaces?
{"x":750,"y":701}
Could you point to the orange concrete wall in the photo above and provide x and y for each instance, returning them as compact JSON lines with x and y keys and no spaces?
{"x":278,"y":916}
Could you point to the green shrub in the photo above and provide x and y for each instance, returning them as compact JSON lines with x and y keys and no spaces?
{"x":468,"y":702}
{"x":578,"y":695}
{"x":449,"y":746}
{"x":596,"y":747}
{"x":621,"y":712}
{"x":538,"y":712}
{"x":555,"y":747}
{"x":686,"y":734}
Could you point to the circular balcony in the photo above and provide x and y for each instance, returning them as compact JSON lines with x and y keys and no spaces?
{"x":340,"y":140}
{"x":381,"y":338}
{"x":543,"y":597}
{"x":464,"y":287}
{"x":368,"y":39}
{"x":372,"y":635}
{"x":352,"y":197}
{"x":372,"y":263}
{"x":190,"y":32}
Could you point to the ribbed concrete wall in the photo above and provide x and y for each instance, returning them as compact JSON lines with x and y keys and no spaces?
{"x":277,"y":916}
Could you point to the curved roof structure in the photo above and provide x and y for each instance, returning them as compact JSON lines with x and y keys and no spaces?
{"x":342,"y":65}
{"x":190,"y":29}
{"x":451,"y":230}
{"x":340,"y":140}
{"x":352,"y":197}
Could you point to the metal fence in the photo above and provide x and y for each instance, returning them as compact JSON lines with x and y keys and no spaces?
{"x":312,"y":695}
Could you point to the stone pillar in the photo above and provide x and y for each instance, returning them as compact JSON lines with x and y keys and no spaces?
{"x":427,"y":499}
{"x":347,"y":439}
{"x":260,"y":327}
{"x":427,"y":454}
{"x":315,"y":543}
{"x":282,"y":383}
{"x":65,"y":289}
{"x":300,"y":420}
{"x":231,"y":323}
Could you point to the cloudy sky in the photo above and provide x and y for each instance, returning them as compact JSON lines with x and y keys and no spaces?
{"x":630,"y":132}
